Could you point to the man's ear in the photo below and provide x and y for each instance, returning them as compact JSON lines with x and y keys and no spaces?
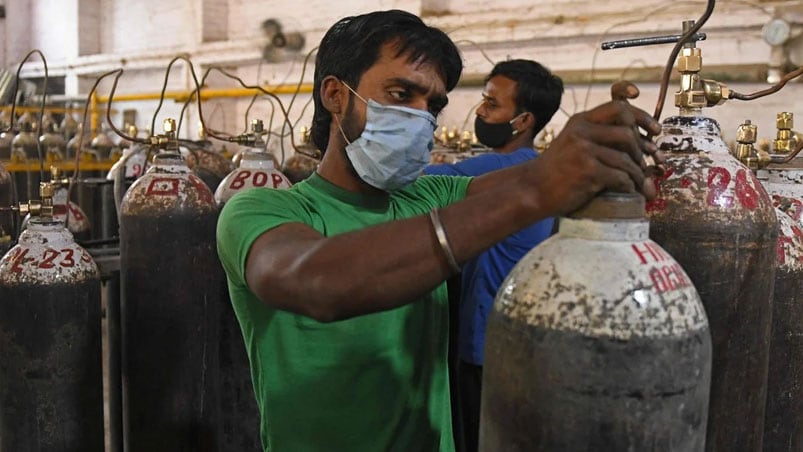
{"x":526,"y":121}
{"x":333,"y":95}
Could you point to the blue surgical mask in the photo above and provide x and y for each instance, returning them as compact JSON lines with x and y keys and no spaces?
{"x":394,"y":148}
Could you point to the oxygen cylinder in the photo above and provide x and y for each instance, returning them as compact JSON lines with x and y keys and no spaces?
{"x":53,"y":145}
{"x":5,"y":140}
{"x":102,"y":144}
{"x":256,"y":170}
{"x":304,"y":162}
{"x":299,"y":167}
{"x":50,"y":343}
{"x":714,"y":216}
{"x":597,"y":341}
{"x":211,"y":166}
{"x":783,"y":429}
{"x":241,"y":418}
{"x":170,"y":309}
{"x":7,"y":198}
{"x":68,"y":126}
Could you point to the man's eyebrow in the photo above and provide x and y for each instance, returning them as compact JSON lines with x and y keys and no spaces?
{"x":408,"y":84}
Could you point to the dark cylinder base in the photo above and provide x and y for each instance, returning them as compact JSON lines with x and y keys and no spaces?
{"x":170,"y":315}
{"x":560,"y":391}
{"x":239,"y":413}
{"x":51,"y":387}
{"x":783,"y":429}
{"x":732,"y":269}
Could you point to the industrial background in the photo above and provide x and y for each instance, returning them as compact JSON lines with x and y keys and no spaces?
{"x":722,"y":320}
{"x":85,"y":38}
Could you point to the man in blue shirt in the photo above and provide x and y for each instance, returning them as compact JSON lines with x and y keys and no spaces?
{"x":519,"y":99}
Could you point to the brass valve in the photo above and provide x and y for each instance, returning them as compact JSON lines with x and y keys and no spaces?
{"x":132,"y":130}
{"x":305,"y":135}
{"x":746,"y":152}
{"x":168,"y":140}
{"x":39,"y":208}
{"x":254,"y":137}
{"x":56,"y":177}
{"x":695,"y":92}
{"x":466,"y":139}
{"x":785,"y":140}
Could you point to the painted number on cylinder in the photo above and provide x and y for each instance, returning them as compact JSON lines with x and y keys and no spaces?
{"x":718,"y":180}
{"x":258,"y":179}
{"x":51,"y":258}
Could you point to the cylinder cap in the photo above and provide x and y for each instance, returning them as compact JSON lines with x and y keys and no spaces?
{"x":612,"y":206}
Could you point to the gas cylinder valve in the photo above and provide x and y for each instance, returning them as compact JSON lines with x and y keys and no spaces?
{"x":785,"y":139}
{"x":43,"y":207}
{"x":56,"y":177}
{"x":167,"y":141}
{"x":254,"y":137}
{"x":746,"y":152}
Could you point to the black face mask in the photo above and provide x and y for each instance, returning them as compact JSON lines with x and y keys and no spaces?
{"x":494,"y":135}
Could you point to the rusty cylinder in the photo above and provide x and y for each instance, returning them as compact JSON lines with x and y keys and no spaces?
{"x":783,"y":429}
{"x":7,"y":217}
{"x":715,"y":217}
{"x":170,"y":309}
{"x":241,"y":419}
{"x":597,"y":341}
{"x":50,"y":344}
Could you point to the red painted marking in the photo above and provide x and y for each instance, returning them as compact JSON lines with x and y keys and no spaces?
{"x":85,"y":257}
{"x":667,"y":278}
{"x":204,"y":193}
{"x":746,"y":191}
{"x":19,"y":260}
{"x":68,"y":261}
{"x":685,"y":182}
{"x":650,"y":249}
{"x":791,"y":206}
{"x":239,"y":181}
{"x":781,"y":248}
{"x":796,"y":209}
{"x":137,"y":170}
{"x":797,"y":231}
{"x":260,"y":179}
{"x":718,"y":180}
{"x":163,"y":186}
{"x":76,"y":212}
{"x":659,"y":203}
{"x":59,"y":210}
{"x":278,"y":180}
{"x":48,"y":257}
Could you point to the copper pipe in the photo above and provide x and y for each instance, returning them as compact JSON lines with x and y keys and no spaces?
{"x":765,"y":92}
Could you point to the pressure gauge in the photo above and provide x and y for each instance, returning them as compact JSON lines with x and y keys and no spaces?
{"x":776,"y":32}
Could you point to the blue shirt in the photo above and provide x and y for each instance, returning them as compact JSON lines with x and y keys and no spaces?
{"x":482,"y":276}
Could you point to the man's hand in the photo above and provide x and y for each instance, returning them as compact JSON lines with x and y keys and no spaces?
{"x":600,"y":149}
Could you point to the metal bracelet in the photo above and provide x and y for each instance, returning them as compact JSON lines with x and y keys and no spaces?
{"x":440,"y":232}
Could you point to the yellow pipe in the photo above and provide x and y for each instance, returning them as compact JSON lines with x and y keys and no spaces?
{"x":209,"y":93}
{"x":64,"y":165}
{"x":93,"y":115}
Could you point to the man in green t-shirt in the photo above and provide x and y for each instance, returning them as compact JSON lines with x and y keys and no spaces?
{"x":338,"y":282}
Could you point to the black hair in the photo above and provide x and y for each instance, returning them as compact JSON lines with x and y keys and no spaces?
{"x":353,"y":44}
{"x":538,"y":91}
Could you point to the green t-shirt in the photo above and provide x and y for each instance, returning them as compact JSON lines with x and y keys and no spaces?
{"x":377,"y":382}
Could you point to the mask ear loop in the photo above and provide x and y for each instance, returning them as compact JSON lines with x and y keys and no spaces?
{"x":515,"y":131}
{"x":337,"y":120}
